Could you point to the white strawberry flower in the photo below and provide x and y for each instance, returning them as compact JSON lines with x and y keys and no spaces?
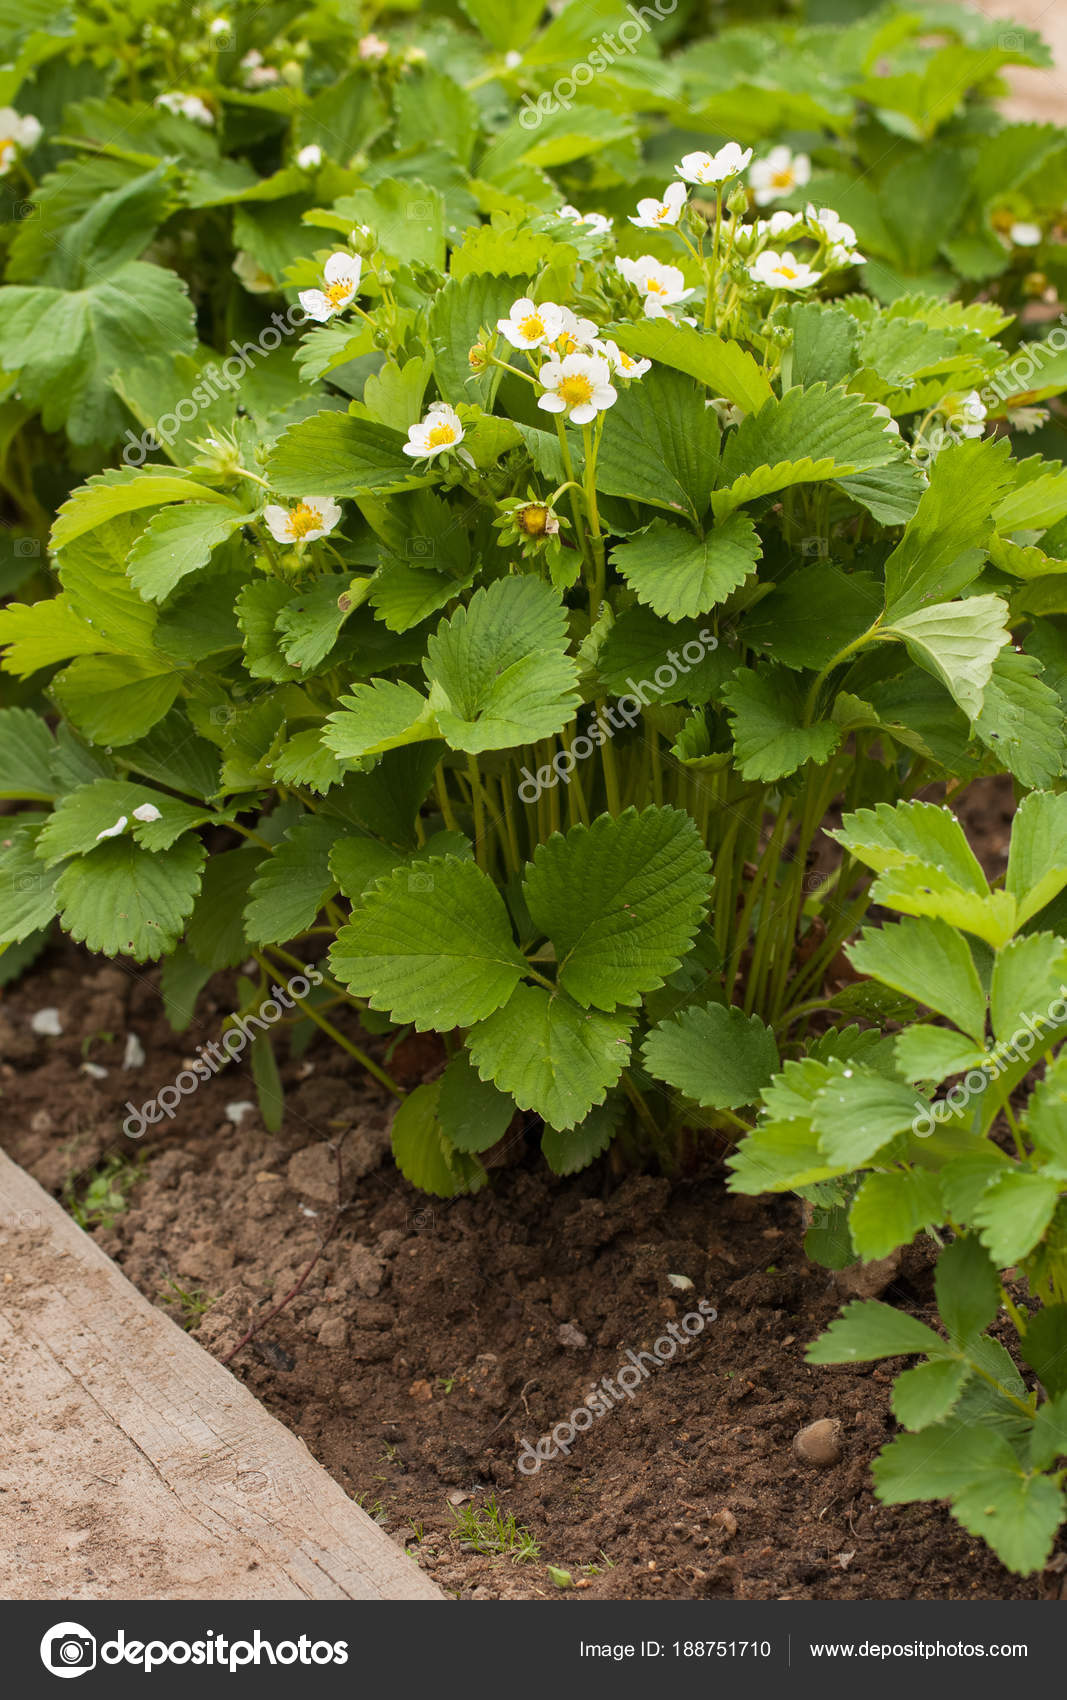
{"x":726,"y":411}
{"x":341,"y":273}
{"x":574,"y":334}
{"x":17,"y":135}
{"x":1023,"y":234}
{"x":782,"y":271}
{"x":623,"y":365}
{"x":579,"y":385}
{"x":828,"y":226}
{"x":779,"y":174}
{"x":653,"y":214}
{"x":313,"y":517}
{"x":188,"y":106}
{"x":712,"y":168}
{"x":598,"y":223}
{"x":967,"y":414}
{"x":529,"y":325}
{"x":147,"y":812}
{"x":372,"y":47}
{"x":441,"y":430}
{"x":838,"y":257}
{"x":662,"y":286}
{"x":1026,"y":419}
{"x":309,"y":158}
{"x":257,"y":74}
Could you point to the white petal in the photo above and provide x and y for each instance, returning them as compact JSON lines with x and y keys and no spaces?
{"x":316,"y":305}
{"x":47,"y":1021}
{"x":552,"y":403}
{"x":278,"y":523}
{"x":113,"y":831}
{"x":147,"y":812}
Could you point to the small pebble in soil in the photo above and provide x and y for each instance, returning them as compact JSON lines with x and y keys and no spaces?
{"x":725,"y":1522}
{"x":819,"y":1443}
{"x":569,"y":1335}
{"x":420,"y":1390}
{"x":48,"y":1023}
{"x":133,"y":1056}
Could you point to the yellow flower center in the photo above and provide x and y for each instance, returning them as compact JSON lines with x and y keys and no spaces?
{"x":533,"y":519}
{"x":303,"y":519}
{"x":338,"y":293}
{"x":625,"y":360}
{"x":566,"y":343}
{"x":787,"y":271}
{"x":576,"y":391}
{"x":783,"y":179}
{"x":532,"y":327}
{"x":654,"y":287}
{"x":440,"y":436}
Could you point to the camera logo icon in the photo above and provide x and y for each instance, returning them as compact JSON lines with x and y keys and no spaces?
{"x":68,"y":1649}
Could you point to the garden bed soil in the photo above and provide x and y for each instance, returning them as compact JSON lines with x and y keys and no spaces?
{"x":431,"y":1338}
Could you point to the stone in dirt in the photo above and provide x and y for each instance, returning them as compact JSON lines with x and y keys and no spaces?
{"x":819,"y":1443}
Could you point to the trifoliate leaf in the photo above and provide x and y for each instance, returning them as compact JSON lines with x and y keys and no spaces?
{"x":766,"y":711}
{"x":680,"y":575}
{"x":126,"y":901}
{"x":941,"y":551}
{"x":431,"y":945}
{"x":499,"y":670}
{"x":891,"y":1208}
{"x":867,"y":1330}
{"x":957,"y":642}
{"x":717,"y":1056}
{"x":293,"y":882}
{"x":621,"y":901}
{"x":927,"y":961}
{"x":550,"y":1055}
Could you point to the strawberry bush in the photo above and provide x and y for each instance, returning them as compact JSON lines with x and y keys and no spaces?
{"x":484,"y":490}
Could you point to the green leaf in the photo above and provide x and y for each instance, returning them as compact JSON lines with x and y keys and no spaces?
{"x":726,"y":368}
{"x":381,"y":715}
{"x":293,"y":882}
{"x":115,"y":699}
{"x":270,"y":1094}
{"x":928,"y":1393}
{"x":858,"y":1111}
{"x":1018,"y":1515}
{"x":968,"y":1290}
{"x":923,"y":1052}
{"x":766,"y":711}
{"x":660,"y":445}
{"x":810,"y":617}
{"x":423,"y":1154}
{"x":1027,"y":978}
{"x":807,"y":436}
{"x":941,"y":550}
{"x":927,"y":961}
{"x":308,"y":627}
{"x":473,"y":1115}
{"x":86,"y":813}
{"x":499,"y":670}
{"x":178,"y":541}
{"x":957,"y":643}
{"x":337,"y":455}
{"x":1037,"y":862}
{"x":1048,"y":1438}
{"x":1046,"y":1117}
{"x":1022,"y":719}
{"x":867,"y":1330}
{"x":121,"y":491}
{"x":460,"y":310}
{"x":640,"y":645}
{"x":717,"y":1056}
{"x":505,"y":28}
{"x":433,"y":947}
{"x":1044,"y":1347}
{"x":216,"y":932}
{"x":27,"y":899}
{"x":66,"y":346}
{"x":550,"y":1055}
{"x":890,"y":493}
{"x":26,"y":757}
{"x":893,"y":835}
{"x":779,"y":1156}
{"x":966,"y":1178}
{"x":126,"y":901}
{"x":304,"y":760}
{"x":824,"y":343}
{"x":891,"y":1208}
{"x":680,"y":575}
{"x":621,"y":901}
{"x":567,"y":1151}
{"x":941,"y":1461}
{"x":1013,"y":1213}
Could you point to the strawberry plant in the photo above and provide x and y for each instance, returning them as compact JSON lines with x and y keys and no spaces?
{"x":954,"y":1127}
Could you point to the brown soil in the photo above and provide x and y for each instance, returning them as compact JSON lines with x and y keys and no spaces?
{"x":431,"y":1338}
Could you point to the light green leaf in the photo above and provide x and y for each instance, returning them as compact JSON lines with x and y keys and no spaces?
{"x":433,"y":947}
{"x":423,"y":1154}
{"x":179,"y":541}
{"x":293,"y":882}
{"x":124,"y":901}
{"x":940,"y":1461}
{"x":894,"y":835}
{"x":621,"y":901}
{"x":933,"y":1053}
{"x":891,"y":1208}
{"x":115,"y":699}
{"x":968,"y":1290}
{"x":858,"y":1111}
{"x":928,"y":1393}
{"x":941,"y":550}
{"x":1037,"y":857}
{"x":1013,"y":1213}
{"x":1028,"y":977}
{"x":725,"y":368}
{"x":957,"y":642}
{"x":927,"y":961}
{"x":550,"y":1055}
{"x":680,"y":575}
{"x":1022,"y":719}
{"x":26,"y":749}
{"x":380,"y":715}
{"x":121,"y":491}
{"x":717,"y":1056}
{"x":473,"y":1115}
{"x":867,"y":1330}
{"x":337,"y":455}
{"x":1018,"y":1515}
{"x":27,"y":900}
